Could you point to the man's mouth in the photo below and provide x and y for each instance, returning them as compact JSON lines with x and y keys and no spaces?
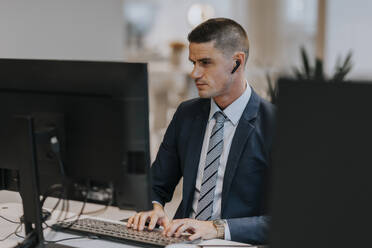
{"x":198,"y":83}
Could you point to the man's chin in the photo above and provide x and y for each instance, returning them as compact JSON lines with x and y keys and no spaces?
{"x":203,"y":94}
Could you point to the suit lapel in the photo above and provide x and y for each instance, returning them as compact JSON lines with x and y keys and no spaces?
{"x":243,"y":132}
{"x":193,"y":155}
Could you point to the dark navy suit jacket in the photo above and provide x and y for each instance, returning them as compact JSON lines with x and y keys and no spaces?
{"x":244,"y":187}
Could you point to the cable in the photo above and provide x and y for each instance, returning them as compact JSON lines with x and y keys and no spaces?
{"x":53,"y":188}
{"x":56,"y":205}
{"x":61,"y":211}
{"x":16,"y":233}
{"x":98,"y":210}
{"x":11,"y":221}
{"x":50,"y":191}
{"x":78,"y":216}
{"x":57,"y":151}
{"x":55,"y":145}
{"x":67,"y":209}
{"x":79,"y":237}
{"x":29,"y":241}
{"x":109,"y":203}
{"x":7,"y":237}
{"x":12,"y":233}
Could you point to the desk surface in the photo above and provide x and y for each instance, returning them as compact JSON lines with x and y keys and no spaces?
{"x":13,"y":210}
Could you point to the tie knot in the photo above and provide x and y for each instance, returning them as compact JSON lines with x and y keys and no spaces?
{"x":220,"y":117}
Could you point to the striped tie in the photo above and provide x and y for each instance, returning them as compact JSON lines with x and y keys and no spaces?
{"x":205,"y":203}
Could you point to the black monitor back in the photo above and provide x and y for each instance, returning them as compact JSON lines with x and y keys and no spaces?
{"x":321,"y":181}
{"x":100,"y":111}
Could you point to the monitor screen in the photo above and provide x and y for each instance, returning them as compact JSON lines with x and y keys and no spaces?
{"x":98,"y":111}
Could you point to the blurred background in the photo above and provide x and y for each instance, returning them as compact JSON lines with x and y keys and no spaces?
{"x":287,"y":37}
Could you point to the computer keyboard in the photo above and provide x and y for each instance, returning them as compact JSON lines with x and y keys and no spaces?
{"x":118,"y":232}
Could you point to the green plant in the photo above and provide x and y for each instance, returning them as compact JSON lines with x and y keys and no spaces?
{"x":272,"y":89}
{"x":312,"y":72}
{"x":315,"y":72}
{"x":342,"y":68}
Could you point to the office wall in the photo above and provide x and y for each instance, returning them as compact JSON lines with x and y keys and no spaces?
{"x":165,"y":31}
{"x":169,"y":19}
{"x":348,"y":25}
{"x":67,"y":29}
{"x":277,"y":29}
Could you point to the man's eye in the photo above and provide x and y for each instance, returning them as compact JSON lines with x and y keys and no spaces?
{"x":205,"y":62}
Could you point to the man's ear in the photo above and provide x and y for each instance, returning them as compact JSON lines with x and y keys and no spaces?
{"x":239,"y":58}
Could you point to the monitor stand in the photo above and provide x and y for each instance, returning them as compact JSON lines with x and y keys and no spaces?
{"x":30,"y":189}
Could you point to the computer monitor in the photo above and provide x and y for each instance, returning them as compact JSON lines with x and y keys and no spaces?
{"x":98,"y":111}
{"x":322,"y":165}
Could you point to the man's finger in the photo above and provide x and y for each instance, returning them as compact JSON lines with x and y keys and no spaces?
{"x":164,"y":222}
{"x":173,"y":226}
{"x":153,"y":220}
{"x":181,"y":230}
{"x":136,"y":220}
{"x":142,"y":221}
{"x":130,"y":221}
{"x":196,"y":235}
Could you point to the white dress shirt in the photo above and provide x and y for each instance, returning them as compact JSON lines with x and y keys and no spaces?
{"x":233,"y":112}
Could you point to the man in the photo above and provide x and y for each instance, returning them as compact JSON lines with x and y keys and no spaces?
{"x":219,"y":143}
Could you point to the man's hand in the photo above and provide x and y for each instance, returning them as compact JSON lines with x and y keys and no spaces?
{"x":155,"y":216}
{"x":198,"y":229}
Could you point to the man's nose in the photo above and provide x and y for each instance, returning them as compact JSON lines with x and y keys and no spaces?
{"x":196,"y":72}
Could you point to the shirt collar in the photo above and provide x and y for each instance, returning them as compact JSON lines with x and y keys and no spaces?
{"x":235,"y":110}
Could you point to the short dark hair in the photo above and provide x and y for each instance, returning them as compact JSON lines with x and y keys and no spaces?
{"x":229,"y":36}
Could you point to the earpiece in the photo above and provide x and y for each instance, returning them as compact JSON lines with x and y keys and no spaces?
{"x":236,"y":67}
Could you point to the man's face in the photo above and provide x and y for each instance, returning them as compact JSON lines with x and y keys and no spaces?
{"x":212,"y":69}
